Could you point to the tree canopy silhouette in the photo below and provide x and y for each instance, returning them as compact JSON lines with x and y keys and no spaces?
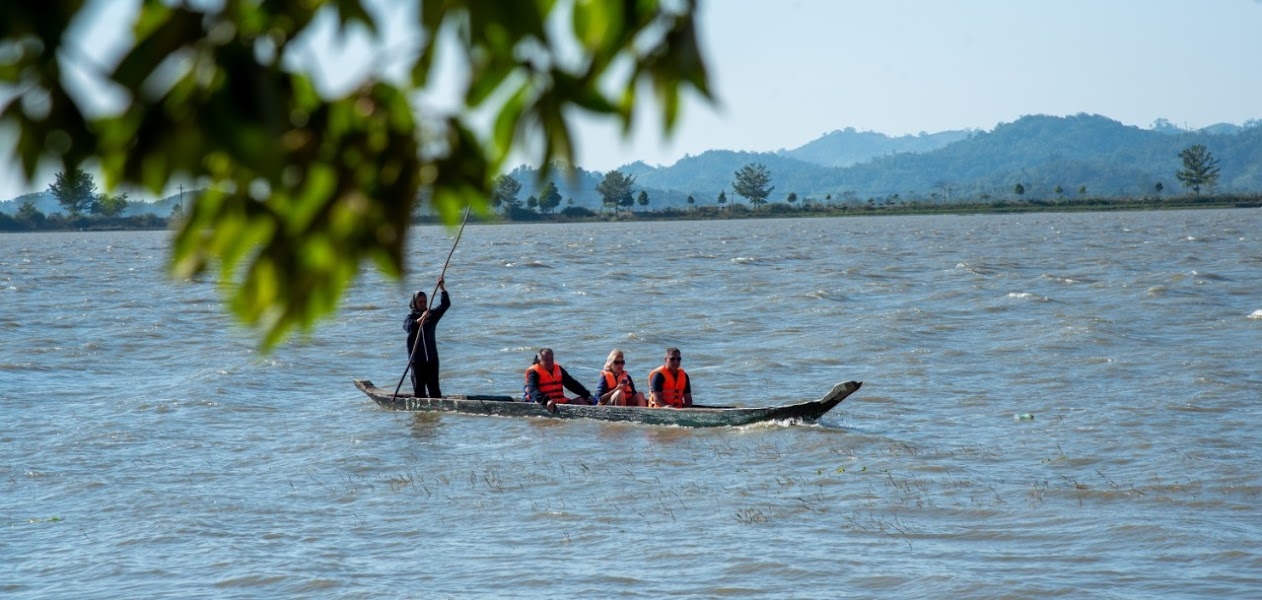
{"x":1200,"y":168}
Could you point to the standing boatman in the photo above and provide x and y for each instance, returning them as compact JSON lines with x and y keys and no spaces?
{"x":422,"y":345}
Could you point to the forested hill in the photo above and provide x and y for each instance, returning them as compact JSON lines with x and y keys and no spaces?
{"x":1091,"y":153}
{"x":1084,"y":152}
{"x":847,"y":147}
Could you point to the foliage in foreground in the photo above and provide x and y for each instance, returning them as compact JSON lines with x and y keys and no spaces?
{"x":301,"y":188}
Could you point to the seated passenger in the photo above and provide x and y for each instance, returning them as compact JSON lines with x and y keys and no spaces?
{"x":669,"y":385}
{"x":545,"y":380}
{"x":615,"y":386}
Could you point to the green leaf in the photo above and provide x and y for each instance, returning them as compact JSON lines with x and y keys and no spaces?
{"x":299,"y":190}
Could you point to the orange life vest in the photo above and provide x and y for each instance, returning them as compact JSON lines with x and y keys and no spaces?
{"x":673,"y":386}
{"x":549,"y":383}
{"x":611,"y":383}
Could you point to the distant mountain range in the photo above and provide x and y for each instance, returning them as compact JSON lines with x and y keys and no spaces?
{"x":1082,"y":153}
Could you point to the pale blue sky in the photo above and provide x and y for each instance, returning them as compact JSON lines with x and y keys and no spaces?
{"x":789,"y":71}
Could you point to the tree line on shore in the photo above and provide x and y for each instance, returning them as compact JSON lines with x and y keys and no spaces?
{"x":87,"y":209}
{"x":617,"y":197}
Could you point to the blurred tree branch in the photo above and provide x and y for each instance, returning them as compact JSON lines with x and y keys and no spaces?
{"x":301,"y":188}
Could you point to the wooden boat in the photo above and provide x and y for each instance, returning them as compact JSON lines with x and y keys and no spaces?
{"x":696,"y":416}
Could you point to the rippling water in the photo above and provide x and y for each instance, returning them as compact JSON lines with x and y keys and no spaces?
{"x":148,"y":450}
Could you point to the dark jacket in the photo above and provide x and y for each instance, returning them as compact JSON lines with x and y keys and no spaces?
{"x":427,"y":351}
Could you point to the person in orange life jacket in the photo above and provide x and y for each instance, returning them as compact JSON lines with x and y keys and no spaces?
{"x":669,"y":385}
{"x":424,"y":355}
{"x":545,"y":380}
{"x":615,"y":385}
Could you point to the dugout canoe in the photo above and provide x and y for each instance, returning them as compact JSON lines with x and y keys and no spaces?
{"x":696,"y":416}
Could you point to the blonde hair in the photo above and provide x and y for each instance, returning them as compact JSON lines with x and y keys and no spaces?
{"x":613,"y":355}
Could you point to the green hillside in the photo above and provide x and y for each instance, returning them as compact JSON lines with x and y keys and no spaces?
{"x":1083,"y":152}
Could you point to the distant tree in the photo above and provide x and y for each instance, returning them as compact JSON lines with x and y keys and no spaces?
{"x":1018,"y":189}
{"x":1200,"y":168}
{"x":504,"y":194}
{"x":691,"y":201}
{"x":753,"y":182}
{"x":107,"y":205}
{"x":643,"y":198}
{"x":1082,"y":190}
{"x":569,"y":202}
{"x":532,"y":203}
{"x":75,"y":190}
{"x":1158,"y":188}
{"x":615,"y":190}
{"x":791,"y":198}
{"x":722,"y":197}
{"x":29,"y":215}
{"x":549,"y":198}
{"x":1059,"y":191}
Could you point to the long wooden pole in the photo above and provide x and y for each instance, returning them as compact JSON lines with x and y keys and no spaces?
{"x":420,"y":333}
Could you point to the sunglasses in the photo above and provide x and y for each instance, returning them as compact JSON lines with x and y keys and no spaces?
{"x":673,"y":358}
{"x":619,"y":362}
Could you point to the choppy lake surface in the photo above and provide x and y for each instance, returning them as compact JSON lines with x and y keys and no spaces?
{"x":147,"y":450}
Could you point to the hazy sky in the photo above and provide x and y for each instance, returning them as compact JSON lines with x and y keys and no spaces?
{"x":789,"y":71}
